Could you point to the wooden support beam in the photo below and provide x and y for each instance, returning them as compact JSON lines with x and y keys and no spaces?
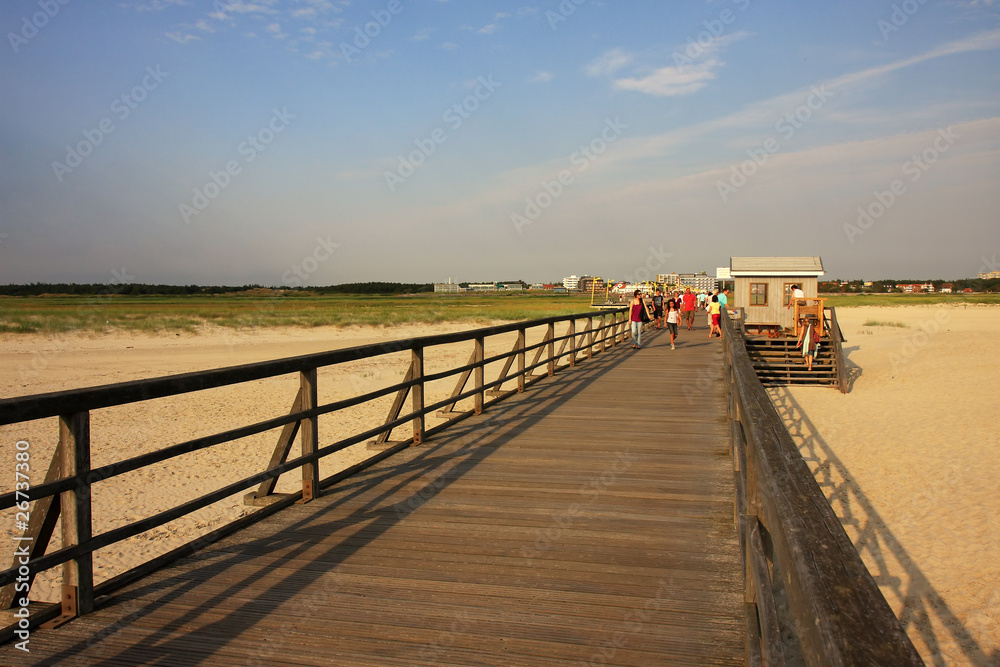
{"x":479,"y":353}
{"x":41,"y":525}
{"x":310,"y":434}
{"x":550,"y":336}
{"x":75,"y":511}
{"x":278,"y":456}
{"x":572,"y":342}
{"x":463,"y":379}
{"x":417,"y":373}
{"x":397,"y":403}
{"x":520,"y":360}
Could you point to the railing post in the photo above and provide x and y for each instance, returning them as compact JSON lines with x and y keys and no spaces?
{"x":521,"y":338}
{"x":478,"y":374}
{"x":572,"y":342}
{"x":614,"y":329}
{"x":604,"y":332}
{"x":417,"y":391}
{"x":552,"y":349}
{"x":590,"y":338}
{"x":310,"y":434}
{"x":76,"y":519}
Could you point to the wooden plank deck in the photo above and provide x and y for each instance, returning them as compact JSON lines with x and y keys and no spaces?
{"x":589,"y":521}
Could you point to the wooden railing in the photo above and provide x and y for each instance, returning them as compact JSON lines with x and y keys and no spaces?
{"x":804,"y":580}
{"x":837,"y":340}
{"x":66,"y":491}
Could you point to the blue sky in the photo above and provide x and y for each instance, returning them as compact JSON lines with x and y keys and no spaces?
{"x":288,"y":142}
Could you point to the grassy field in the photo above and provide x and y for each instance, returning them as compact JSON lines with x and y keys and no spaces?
{"x":60,"y":314}
{"x":848,"y":300}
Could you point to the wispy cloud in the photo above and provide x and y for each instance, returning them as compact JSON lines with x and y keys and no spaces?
{"x":541,"y":77}
{"x":609,"y":63}
{"x":688,"y":74}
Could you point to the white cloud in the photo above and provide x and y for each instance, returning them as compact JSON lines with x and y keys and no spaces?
{"x":541,"y":77}
{"x":422,"y":34}
{"x":448,"y":46}
{"x":609,"y":63}
{"x":488,"y":29}
{"x":672,"y":81}
{"x":180,"y":37}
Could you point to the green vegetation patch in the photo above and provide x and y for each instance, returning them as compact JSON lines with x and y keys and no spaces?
{"x":884,"y":323}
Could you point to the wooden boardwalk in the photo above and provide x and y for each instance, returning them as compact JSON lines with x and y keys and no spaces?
{"x":588,"y":521}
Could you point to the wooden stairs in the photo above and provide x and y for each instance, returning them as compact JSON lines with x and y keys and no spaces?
{"x":778,"y":361}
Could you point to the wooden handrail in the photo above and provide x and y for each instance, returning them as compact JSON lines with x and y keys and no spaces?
{"x":837,"y":338}
{"x":66,"y":490}
{"x":838,"y":614}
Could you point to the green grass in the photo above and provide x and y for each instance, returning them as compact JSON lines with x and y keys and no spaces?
{"x":849,"y":300}
{"x":62,"y":314}
{"x":883,"y":323}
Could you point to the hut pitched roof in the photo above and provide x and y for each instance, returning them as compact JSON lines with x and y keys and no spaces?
{"x":776,"y":266}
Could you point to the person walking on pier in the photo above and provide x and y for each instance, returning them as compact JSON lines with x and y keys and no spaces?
{"x":688,"y":307}
{"x":658,"y":309}
{"x":636,"y":309}
{"x":673,"y":319}
{"x":714,"y":311}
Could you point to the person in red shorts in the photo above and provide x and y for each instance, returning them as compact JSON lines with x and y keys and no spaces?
{"x":688,"y":303}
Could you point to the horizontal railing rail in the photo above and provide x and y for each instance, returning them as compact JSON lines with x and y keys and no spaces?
{"x":66,"y":492}
{"x":791,"y":540}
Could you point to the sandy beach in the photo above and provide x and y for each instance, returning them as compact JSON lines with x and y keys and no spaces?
{"x":39,"y":364}
{"x":908,"y":458}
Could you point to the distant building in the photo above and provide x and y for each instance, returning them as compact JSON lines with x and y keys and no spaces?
{"x":447,"y":288}
{"x":947,"y":288}
{"x":514,"y":286}
{"x":572,"y":282}
{"x":482,"y":287}
{"x":588,"y":283}
{"x":698,"y":282}
{"x":989,"y":275}
{"x":914,"y":288}
{"x":667,"y":278}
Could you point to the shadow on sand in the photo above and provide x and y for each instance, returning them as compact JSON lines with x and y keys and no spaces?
{"x":923,"y":611}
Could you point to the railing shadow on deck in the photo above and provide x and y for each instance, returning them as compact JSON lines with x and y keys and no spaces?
{"x":435,"y":462}
{"x":898,"y":576}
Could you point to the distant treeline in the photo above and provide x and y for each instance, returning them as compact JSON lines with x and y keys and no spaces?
{"x":373,"y":288}
{"x":883,"y":286}
{"x":138,"y":289}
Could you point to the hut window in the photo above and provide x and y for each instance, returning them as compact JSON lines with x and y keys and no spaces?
{"x":758,"y":294}
{"x":788,"y":293}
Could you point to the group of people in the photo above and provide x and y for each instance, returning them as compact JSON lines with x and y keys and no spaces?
{"x":675,"y":310}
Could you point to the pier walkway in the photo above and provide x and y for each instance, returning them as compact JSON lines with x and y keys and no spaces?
{"x":586,"y":521}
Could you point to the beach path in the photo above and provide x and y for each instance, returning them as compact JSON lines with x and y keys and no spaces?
{"x":587,"y":521}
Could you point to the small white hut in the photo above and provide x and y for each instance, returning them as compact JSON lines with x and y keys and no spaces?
{"x":763,"y":287}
